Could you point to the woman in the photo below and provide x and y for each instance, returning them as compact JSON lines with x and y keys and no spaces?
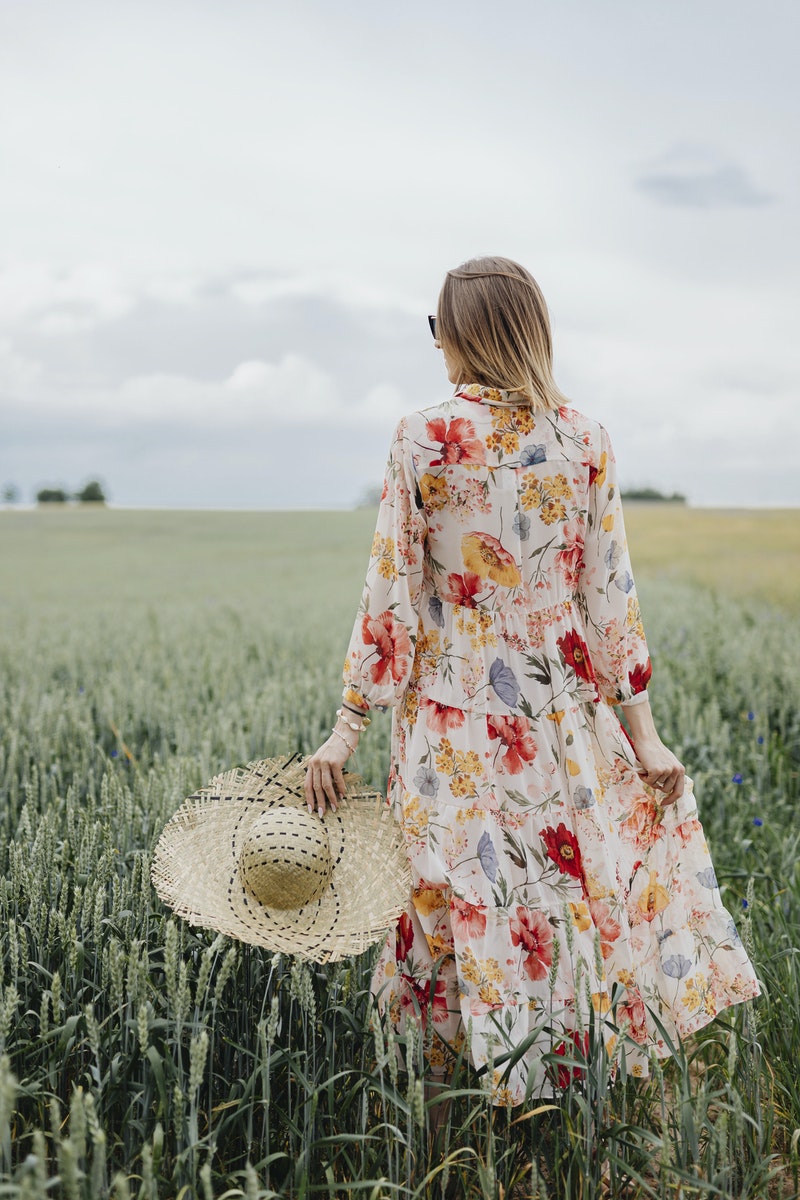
{"x":557,"y":862}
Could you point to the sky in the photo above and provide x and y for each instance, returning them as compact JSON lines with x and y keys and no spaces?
{"x":223,"y":224}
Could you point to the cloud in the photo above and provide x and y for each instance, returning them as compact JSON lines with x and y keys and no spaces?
{"x":62,"y":301}
{"x":695,"y":177}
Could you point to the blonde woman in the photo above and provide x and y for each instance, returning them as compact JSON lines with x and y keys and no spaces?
{"x":556,"y":861}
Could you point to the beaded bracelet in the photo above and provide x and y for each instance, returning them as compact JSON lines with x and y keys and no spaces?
{"x":352,"y":749}
{"x":351,"y":724}
{"x":358,"y":712}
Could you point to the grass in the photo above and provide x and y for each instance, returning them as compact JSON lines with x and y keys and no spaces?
{"x":140,"y":653}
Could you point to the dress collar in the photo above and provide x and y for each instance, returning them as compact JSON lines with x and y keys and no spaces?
{"x":490,"y":395}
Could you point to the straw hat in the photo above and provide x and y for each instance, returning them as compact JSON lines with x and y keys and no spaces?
{"x":245,"y":857}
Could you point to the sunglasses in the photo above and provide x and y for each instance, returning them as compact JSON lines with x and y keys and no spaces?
{"x":432,"y":323}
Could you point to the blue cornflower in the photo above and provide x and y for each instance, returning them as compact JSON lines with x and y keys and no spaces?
{"x":760,"y":739}
{"x":745,"y":904}
{"x":751,"y":716}
{"x":115,"y":753}
{"x":758,"y":821}
{"x":737,"y":778}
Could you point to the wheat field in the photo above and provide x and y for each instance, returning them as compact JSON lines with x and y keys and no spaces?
{"x":143,"y":652}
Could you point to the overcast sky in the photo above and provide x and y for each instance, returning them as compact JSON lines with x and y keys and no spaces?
{"x":223,"y":222}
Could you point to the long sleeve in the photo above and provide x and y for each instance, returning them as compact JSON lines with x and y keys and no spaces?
{"x":381,"y":651}
{"x":607,"y":592}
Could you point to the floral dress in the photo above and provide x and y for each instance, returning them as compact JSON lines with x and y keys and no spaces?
{"x":500,"y":621}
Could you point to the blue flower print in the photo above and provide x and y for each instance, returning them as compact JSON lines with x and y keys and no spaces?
{"x":435,"y":609}
{"x":624,"y":582}
{"x":487,"y":856}
{"x":707,"y":878}
{"x":733,"y":932}
{"x":426,"y":781}
{"x":522,"y":526}
{"x":676,"y":966}
{"x":612,"y":555}
{"x":504,"y":682}
{"x":583,"y":797}
{"x":531,"y":456}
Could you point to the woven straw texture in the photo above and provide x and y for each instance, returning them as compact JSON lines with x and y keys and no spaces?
{"x":212,"y":862}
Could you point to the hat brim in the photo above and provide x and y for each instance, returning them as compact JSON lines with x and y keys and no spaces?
{"x":195,"y":867}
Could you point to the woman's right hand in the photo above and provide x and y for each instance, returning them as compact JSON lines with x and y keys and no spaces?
{"x":324,"y":775}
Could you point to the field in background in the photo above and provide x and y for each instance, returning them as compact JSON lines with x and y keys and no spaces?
{"x":143,"y":652}
{"x":116,"y":556}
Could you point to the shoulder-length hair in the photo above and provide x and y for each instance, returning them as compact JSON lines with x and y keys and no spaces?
{"x":493,"y":321}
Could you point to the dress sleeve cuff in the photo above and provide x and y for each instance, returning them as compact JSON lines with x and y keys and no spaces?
{"x":639,"y":698}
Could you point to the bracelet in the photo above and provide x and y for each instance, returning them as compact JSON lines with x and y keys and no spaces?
{"x":351,"y":724}
{"x":358,"y":712}
{"x":352,"y":749}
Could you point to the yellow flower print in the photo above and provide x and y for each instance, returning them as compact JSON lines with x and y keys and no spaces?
{"x":445,"y":759}
{"x":384,"y":552}
{"x":572,"y":767}
{"x":491,"y":970}
{"x":580,"y":915}
{"x":463,"y":786}
{"x":633,"y":618}
{"x":607,"y":522}
{"x":434,"y":491}
{"x":600,"y":477}
{"x":600,"y":1002}
{"x":524,"y":420}
{"x":653,"y":899}
{"x":552,"y":511}
{"x":531,"y":493}
{"x":698,"y":996}
{"x":558,"y":716}
{"x":494,"y":441}
{"x":427,"y":900}
{"x":415,"y":817}
{"x":437,"y":946}
{"x":489,"y":994}
{"x":410,"y":707}
{"x":389,"y":970}
{"x":469,"y":762}
{"x":487,"y":557}
{"x":510,"y":443}
{"x":469,"y":966}
{"x":558,"y":486}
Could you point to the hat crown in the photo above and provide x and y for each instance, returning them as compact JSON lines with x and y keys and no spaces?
{"x":285,"y":861}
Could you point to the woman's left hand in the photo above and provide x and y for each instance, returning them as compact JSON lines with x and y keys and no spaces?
{"x":324,"y":776}
{"x":661,"y":769}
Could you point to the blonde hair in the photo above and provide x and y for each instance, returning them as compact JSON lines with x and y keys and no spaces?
{"x":493,"y":321}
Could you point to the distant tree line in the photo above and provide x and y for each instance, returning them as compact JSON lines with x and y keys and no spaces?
{"x":91,"y":493}
{"x":651,"y":493}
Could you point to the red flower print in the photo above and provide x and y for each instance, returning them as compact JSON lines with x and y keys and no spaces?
{"x":467,"y":920}
{"x":575,"y":653}
{"x":641,"y":826}
{"x":440,"y":717}
{"x":390,"y":639}
{"x":404,"y":937}
{"x":576,"y":1047}
{"x":563,"y":849}
{"x":462,"y":589}
{"x":421,"y":992}
{"x":514,"y":734}
{"x":634,"y":1014}
{"x":458,"y":441}
{"x":639,"y":677}
{"x":606,"y":926}
{"x":569,"y":560}
{"x":531,"y":930}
